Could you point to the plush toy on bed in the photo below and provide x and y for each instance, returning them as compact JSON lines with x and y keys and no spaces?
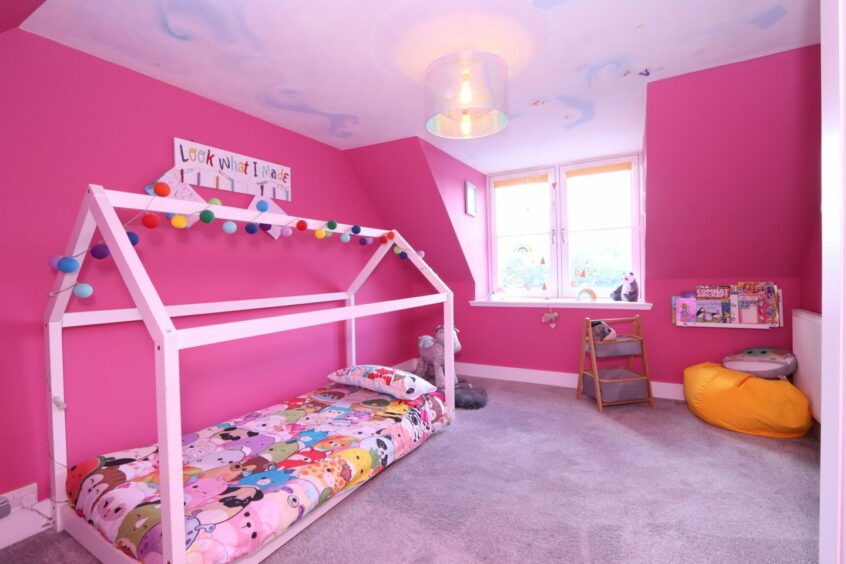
{"x":430,"y":366}
{"x":628,"y":290}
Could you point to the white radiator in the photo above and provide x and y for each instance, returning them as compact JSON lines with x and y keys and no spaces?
{"x":807,"y":335}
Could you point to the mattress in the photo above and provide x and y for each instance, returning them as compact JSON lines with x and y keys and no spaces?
{"x":247,"y":480}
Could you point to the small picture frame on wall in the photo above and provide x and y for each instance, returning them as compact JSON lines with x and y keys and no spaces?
{"x":470,"y":199}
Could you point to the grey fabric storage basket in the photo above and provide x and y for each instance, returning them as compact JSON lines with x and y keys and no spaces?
{"x":617,"y":347}
{"x":616,"y":391}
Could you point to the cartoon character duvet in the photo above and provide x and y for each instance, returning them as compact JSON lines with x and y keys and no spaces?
{"x":248,"y":480}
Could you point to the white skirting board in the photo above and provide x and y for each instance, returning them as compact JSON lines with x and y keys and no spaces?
{"x":665,"y":390}
{"x":23,"y":523}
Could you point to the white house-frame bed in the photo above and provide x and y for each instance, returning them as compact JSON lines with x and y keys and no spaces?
{"x":98,"y":211}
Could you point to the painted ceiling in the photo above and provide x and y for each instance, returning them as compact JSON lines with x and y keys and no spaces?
{"x":351,"y":73}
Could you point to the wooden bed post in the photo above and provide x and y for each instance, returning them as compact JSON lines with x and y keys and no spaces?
{"x":449,"y":355}
{"x":80,"y":239}
{"x":350,"y":333}
{"x":169,"y":419}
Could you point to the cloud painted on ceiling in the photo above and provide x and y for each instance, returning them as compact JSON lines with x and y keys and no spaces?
{"x":290,"y":100}
{"x":770,"y":17}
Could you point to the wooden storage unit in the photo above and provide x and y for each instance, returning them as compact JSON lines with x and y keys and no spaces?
{"x":615,"y":385}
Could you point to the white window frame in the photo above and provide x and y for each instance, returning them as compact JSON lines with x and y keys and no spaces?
{"x":560,"y":287}
{"x":552,"y":290}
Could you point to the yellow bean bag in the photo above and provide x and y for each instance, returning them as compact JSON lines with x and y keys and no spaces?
{"x":741,"y":402}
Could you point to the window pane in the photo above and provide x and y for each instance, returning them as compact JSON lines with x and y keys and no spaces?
{"x":601,"y":200}
{"x":524,"y":265}
{"x":523,"y":209}
{"x":598,"y":260}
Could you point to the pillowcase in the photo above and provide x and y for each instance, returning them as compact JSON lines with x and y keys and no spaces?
{"x":392,"y":381}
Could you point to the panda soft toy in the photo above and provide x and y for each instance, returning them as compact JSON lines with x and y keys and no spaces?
{"x":628,"y":290}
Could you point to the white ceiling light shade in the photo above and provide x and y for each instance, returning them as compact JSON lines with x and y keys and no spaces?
{"x":466,"y":95}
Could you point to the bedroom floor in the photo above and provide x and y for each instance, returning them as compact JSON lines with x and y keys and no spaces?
{"x":539,"y":477}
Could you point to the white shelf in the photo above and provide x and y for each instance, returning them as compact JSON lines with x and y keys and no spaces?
{"x":728,"y":325}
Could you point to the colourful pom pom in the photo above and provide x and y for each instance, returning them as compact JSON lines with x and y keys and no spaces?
{"x":150,"y":220}
{"x":161,"y":189}
{"x":251,"y":228}
{"x":363,"y":241}
{"x":383,"y":239}
{"x":83,"y":291}
{"x":356,"y":229}
{"x":345,"y":238}
{"x":54,"y":261}
{"x":265,"y":226}
{"x":206,"y":216}
{"x":215,"y":201}
{"x":68,"y":264}
{"x":302,"y":225}
{"x":319,"y":233}
{"x":229,"y":227}
{"x":331,"y":224}
{"x":421,"y":253}
{"x":397,"y":250}
{"x":287,"y":231}
{"x":99,"y":251}
{"x":390,"y":235}
{"x":133,"y":237}
{"x":179,"y":221}
{"x":262,"y":206}
{"x":403,"y":255}
{"x":328,"y":234}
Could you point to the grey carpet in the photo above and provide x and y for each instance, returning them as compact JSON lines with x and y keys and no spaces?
{"x":539,"y":477}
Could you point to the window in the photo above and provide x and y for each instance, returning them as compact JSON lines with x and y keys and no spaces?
{"x":558,"y":231}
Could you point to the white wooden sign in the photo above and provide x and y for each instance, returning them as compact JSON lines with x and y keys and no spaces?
{"x":203,"y":165}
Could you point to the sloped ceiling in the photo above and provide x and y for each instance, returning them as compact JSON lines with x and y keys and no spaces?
{"x":351,"y":73}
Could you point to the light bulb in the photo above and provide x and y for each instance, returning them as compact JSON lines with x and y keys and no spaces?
{"x":466,"y":124}
{"x":465,"y":95}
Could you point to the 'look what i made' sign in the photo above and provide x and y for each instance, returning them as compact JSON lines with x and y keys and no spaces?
{"x":202,"y":165}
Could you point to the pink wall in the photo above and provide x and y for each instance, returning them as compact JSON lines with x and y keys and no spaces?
{"x":70,"y":119}
{"x":719,"y":142}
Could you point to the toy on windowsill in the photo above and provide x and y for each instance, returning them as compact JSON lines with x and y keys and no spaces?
{"x":627,"y":291}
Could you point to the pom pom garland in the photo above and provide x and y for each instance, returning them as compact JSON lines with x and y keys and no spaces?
{"x":320,"y":233}
{"x":68,"y":264}
{"x":133,"y":237}
{"x":229,"y":227}
{"x":150,"y":220}
{"x":345,"y":238}
{"x":332,"y":224}
{"x":363,"y":241}
{"x":390,"y":235}
{"x":179,"y":221}
{"x":161,"y":189}
{"x":383,"y":239}
{"x":251,"y":228}
{"x":265,"y":226}
{"x":287,"y":231}
{"x":397,"y":250}
{"x":262,"y":206}
{"x":83,"y":291}
{"x":302,"y":225}
{"x":421,"y":253}
{"x":403,"y":255}
{"x":356,"y":229}
{"x":215,"y":201}
{"x":206,"y":216}
{"x":99,"y":251}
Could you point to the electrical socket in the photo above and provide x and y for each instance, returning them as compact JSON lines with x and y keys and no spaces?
{"x":26,"y":496}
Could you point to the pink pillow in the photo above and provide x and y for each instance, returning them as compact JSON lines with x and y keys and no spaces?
{"x":392,"y":381}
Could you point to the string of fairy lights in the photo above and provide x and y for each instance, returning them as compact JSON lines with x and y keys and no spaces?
{"x":152,"y":220}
